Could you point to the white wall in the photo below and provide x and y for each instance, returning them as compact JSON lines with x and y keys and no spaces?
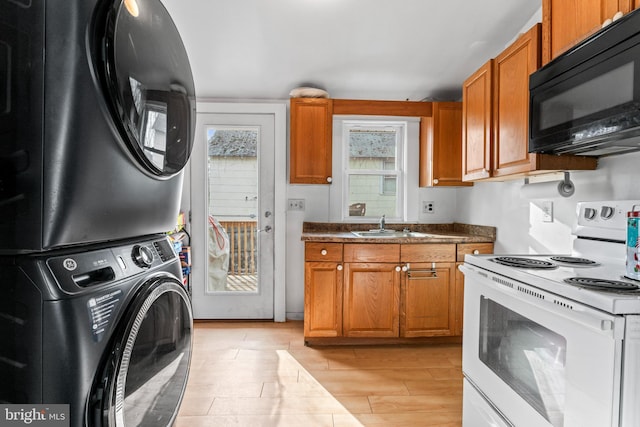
{"x":519,"y":219}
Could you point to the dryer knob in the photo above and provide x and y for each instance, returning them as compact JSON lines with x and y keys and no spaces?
{"x":142,"y":256}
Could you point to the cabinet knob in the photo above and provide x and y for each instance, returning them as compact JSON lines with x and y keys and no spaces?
{"x":405,"y":268}
{"x":476,"y":252}
{"x":339,"y":267}
{"x":329,"y":179}
{"x":323,"y":252}
{"x":398,"y":268}
{"x":436,"y":181}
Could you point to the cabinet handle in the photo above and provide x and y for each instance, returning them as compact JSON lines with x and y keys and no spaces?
{"x":329,"y":179}
{"x":476,"y":251}
{"x":422,"y":274}
{"x":323,"y":252}
{"x":339,"y":267}
{"x":436,"y":181}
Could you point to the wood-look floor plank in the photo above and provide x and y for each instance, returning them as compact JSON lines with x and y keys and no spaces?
{"x":262,"y":374}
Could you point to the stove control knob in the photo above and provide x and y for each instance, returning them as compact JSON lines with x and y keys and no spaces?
{"x":606,"y":212}
{"x":142,"y":256}
{"x":590,"y":213}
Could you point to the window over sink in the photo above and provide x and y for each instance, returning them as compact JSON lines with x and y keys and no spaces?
{"x":373,"y":169}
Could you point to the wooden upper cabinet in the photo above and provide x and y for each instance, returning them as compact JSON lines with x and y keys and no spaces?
{"x":476,"y":123}
{"x":511,"y":70}
{"x":310,"y":140}
{"x":441,"y":146}
{"x":567,"y":22}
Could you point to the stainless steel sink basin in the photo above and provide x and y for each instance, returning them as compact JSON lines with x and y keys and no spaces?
{"x":389,"y":233}
{"x":398,"y":234}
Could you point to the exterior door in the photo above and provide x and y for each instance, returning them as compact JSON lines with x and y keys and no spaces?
{"x":233,"y":218}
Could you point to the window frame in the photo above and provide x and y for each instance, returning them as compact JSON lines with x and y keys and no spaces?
{"x":399,"y":173}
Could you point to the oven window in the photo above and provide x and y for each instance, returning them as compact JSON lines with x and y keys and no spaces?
{"x":527,"y":356}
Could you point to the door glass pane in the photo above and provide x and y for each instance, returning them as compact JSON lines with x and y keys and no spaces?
{"x":233,"y":208}
{"x":527,"y":356}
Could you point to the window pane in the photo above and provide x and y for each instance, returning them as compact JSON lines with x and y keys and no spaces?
{"x":372,"y":149}
{"x":372,"y":195}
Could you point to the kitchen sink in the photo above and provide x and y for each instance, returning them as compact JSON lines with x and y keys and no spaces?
{"x":398,"y":234}
{"x":389,"y":233}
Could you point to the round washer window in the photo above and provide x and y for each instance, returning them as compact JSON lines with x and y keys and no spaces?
{"x":145,"y":75}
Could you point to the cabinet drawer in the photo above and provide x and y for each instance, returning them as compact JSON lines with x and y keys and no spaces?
{"x":445,"y":252}
{"x":320,"y":251}
{"x":371,"y":252}
{"x":473,"y":248}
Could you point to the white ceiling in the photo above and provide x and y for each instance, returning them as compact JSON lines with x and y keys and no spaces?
{"x":354,"y":49}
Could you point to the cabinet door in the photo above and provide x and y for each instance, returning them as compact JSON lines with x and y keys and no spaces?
{"x":441,"y":146}
{"x":323,"y":299}
{"x":371,"y":300}
{"x":567,"y":22}
{"x":310,"y":140}
{"x":511,"y":104}
{"x":428,"y":301}
{"x":476,"y":124}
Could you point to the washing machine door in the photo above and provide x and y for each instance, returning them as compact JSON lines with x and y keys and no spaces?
{"x":146,"y":80}
{"x":145,"y":373}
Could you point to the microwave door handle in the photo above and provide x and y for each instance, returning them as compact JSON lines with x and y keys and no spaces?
{"x":557,"y":305}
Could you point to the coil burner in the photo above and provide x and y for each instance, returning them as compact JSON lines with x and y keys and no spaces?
{"x":572,"y":260}
{"x":520,"y":262}
{"x":602,"y":284}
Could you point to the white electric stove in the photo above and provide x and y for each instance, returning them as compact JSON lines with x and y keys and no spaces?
{"x":554,"y":340}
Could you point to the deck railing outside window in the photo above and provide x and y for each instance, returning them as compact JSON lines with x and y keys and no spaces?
{"x":242,"y":246}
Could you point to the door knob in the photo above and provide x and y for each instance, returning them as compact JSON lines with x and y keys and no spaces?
{"x":265,"y":229}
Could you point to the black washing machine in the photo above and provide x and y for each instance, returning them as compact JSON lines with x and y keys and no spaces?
{"x":107,"y":331}
{"x":97,"y":116}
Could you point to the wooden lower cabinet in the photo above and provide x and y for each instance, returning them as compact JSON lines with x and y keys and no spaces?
{"x":428,"y":301}
{"x":385,"y":290}
{"x":371,"y":300}
{"x":323,"y":299}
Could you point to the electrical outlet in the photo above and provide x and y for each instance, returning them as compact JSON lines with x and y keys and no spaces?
{"x":428,"y":207}
{"x":296,"y":204}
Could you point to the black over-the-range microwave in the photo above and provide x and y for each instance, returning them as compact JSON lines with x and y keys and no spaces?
{"x":587,"y":101}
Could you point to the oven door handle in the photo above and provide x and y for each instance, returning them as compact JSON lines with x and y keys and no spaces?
{"x":543,"y":300}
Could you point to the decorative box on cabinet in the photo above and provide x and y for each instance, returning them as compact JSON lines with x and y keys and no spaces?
{"x":311,"y":123}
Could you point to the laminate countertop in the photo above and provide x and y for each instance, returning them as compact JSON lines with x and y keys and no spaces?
{"x":428,"y":233}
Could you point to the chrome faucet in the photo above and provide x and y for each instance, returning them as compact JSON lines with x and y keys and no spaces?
{"x":382,"y":223}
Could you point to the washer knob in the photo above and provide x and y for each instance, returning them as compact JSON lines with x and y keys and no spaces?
{"x":142,"y":256}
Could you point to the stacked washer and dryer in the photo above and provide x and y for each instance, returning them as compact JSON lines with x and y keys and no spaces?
{"x":97,"y":116}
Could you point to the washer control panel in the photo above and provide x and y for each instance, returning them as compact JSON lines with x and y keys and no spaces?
{"x":78,"y":270}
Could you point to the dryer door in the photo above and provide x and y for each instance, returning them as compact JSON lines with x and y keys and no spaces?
{"x":146,"y":372}
{"x":146,"y":78}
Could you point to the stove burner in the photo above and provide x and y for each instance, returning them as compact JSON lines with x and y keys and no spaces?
{"x":573,"y":260}
{"x":519,"y":262}
{"x":601,"y":284}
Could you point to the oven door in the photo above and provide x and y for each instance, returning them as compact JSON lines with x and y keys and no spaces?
{"x":539,"y":359}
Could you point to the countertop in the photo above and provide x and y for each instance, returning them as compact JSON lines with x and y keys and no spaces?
{"x":438,"y":233}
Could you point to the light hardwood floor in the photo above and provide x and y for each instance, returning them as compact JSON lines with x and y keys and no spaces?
{"x":261,"y":374}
